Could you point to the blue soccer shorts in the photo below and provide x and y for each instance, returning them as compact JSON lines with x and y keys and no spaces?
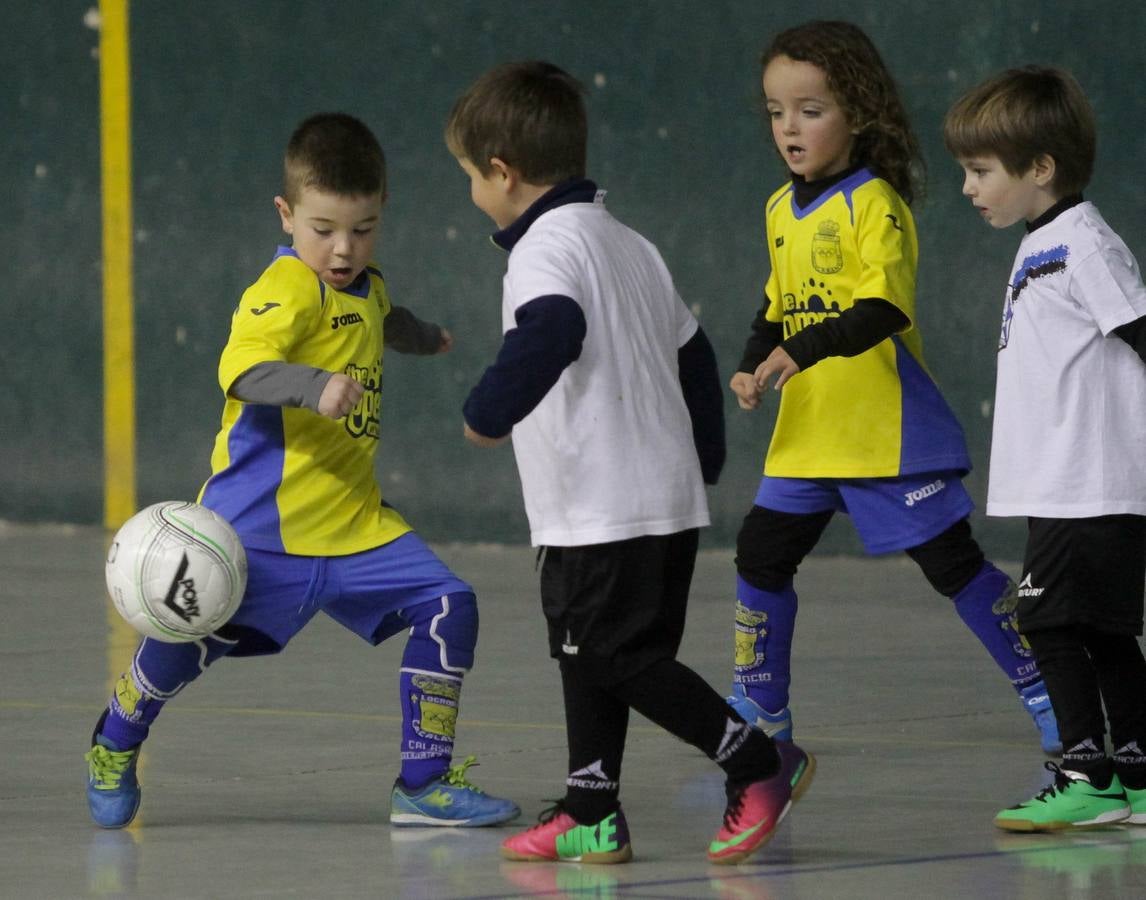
{"x":889,"y":513}
{"x":365,"y":592}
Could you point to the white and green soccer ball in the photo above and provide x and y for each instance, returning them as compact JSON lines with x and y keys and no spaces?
{"x":176,"y":571}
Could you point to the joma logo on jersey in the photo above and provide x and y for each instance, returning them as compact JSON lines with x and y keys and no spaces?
{"x":182,"y":598}
{"x":337,"y":322}
{"x":913,"y":497}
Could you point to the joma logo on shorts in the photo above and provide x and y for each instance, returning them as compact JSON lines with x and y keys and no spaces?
{"x":913,"y":497}
{"x":348,"y":319}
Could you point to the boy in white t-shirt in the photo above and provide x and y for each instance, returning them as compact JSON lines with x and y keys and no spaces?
{"x":610,"y":390}
{"x":1069,"y":434}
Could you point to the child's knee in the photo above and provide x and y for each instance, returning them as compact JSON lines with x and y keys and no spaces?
{"x":163,"y":669}
{"x":446,"y":631}
{"x":771,"y":545}
{"x":950,"y":560}
{"x":159,"y":671}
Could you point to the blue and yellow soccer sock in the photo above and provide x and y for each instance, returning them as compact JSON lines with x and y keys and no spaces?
{"x":986,"y":604}
{"x":765,"y":623}
{"x":443,"y":633}
{"x":429,"y":717}
{"x":159,"y":670}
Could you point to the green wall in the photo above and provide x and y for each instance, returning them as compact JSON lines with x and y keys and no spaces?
{"x":677,"y":139}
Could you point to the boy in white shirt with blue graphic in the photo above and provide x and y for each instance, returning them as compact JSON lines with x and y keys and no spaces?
{"x":1068,"y":435}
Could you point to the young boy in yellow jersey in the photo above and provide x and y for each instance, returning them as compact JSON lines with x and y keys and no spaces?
{"x":293,"y":472}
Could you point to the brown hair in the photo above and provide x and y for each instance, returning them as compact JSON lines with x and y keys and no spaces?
{"x":530,"y":115}
{"x":1020,"y":114}
{"x":862,"y":84}
{"x":333,"y":152}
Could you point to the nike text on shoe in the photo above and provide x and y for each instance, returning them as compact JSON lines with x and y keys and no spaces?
{"x":449,"y":801}
{"x":113,"y":791}
{"x":754,"y":811}
{"x":777,"y":725}
{"x":1038,"y":704}
{"x":559,"y":838}
{"x":1071,"y":802}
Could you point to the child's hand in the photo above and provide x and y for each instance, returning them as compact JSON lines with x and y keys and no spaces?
{"x":447,"y":342}
{"x":744,"y":387}
{"x":778,"y":363}
{"x":480,"y":439}
{"x":340,"y":396}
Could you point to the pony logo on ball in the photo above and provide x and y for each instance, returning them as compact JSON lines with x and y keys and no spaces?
{"x":182,"y":599}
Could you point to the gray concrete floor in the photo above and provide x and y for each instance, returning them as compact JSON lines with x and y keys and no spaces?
{"x":271,"y":777}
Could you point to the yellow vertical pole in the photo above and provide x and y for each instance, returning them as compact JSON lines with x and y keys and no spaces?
{"x":118,"y":298}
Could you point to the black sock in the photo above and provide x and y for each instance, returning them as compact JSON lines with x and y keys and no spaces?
{"x":595,"y":723}
{"x":680,"y":701}
{"x":755,"y":760}
{"x":1089,"y":758}
{"x":1130,"y":764}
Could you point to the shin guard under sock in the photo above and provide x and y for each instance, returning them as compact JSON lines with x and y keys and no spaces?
{"x":987,"y":606}
{"x":429,"y":716}
{"x":159,"y":670}
{"x":765,"y":623}
{"x":440,"y":650}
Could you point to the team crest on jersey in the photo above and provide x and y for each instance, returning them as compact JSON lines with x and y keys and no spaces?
{"x":1037,"y":265}
{"x":827,"y":257}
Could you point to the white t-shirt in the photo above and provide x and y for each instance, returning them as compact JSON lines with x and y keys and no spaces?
{"x":608,"y":453}
{"x":1069,"y":438}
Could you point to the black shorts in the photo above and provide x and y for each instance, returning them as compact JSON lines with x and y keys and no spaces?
{"x":614,"y":609}
{"x":1084,"y":572}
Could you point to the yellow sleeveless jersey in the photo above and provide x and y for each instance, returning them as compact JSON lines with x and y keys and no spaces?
{"x":878,"y":414}
{"x":288,"y":479}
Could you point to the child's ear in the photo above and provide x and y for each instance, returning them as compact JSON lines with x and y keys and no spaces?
{"x":1043,"y":168}
{"x":285,"y":214}
{"x":504,"y":172}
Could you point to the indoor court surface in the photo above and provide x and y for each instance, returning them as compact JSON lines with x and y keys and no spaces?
{"x":270,"y":777}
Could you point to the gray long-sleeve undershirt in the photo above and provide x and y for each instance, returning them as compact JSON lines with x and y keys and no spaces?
{"x":277,"y":383}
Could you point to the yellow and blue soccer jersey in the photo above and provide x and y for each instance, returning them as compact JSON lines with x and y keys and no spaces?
{"x":288,"y":479}
{"x":878,"y":414}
